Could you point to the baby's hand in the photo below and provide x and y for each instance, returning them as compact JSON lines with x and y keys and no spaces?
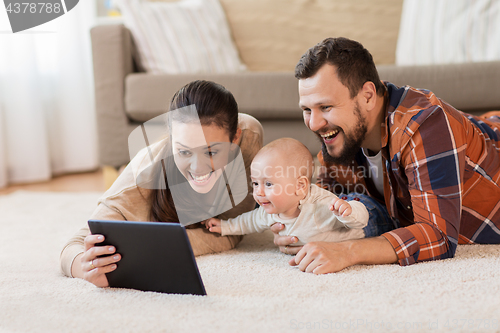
{"x":340,"y":207}
{"x":213,"y":225}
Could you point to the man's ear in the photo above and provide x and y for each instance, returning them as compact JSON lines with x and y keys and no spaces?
{"x":302,"y":185}
{"x":369,"y":95}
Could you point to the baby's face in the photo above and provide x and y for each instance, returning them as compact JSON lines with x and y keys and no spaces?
{"x":274,"y":186}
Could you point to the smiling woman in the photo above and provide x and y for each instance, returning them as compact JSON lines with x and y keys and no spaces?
{"x":201,"y":157}
{"x":185,"y":177}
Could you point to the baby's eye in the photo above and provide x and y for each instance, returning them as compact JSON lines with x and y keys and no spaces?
{"x":269,"y":184}
{"x":255,"y":184}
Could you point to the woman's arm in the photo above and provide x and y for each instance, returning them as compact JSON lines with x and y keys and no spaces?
{"x":79,"y":255}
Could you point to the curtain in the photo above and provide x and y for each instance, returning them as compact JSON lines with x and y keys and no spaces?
{"x":47,"y":119}
{"x":448,"y":31}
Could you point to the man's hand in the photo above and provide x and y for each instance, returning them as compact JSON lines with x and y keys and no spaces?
{"x":340,"y":207}
{"x":284,"y":242}
{"x":322,"y":257}
{"x":325,"y":257}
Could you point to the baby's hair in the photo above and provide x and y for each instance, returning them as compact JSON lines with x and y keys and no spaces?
{"x":293,"y":155}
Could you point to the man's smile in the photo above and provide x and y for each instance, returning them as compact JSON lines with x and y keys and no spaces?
{"x":330,"y":136}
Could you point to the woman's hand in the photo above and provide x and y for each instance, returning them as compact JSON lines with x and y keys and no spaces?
{"x":284,"y":242}
{"x":93,"y":268}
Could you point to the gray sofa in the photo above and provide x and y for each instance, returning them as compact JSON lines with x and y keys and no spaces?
{"x":126,"y":97}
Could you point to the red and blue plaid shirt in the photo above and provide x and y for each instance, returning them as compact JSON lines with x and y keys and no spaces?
{"x":441,"y":176}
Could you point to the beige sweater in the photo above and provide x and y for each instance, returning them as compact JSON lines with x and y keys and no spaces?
{"x":126,"y":201}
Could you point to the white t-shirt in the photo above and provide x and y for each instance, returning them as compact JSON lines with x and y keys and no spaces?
{"x":376,"y":170}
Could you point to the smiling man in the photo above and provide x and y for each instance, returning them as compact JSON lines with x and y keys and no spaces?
{"x":434,"y":168}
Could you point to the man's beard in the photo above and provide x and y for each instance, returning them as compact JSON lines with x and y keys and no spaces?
{"x":352,"y":142}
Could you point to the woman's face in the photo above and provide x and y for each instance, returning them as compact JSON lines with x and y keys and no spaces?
{"x":200,"y":153}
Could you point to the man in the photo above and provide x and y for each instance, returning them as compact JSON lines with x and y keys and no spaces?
{"x":435,"y":168}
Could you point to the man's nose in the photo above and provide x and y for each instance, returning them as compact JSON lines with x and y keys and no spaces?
{"x":316,"y":121}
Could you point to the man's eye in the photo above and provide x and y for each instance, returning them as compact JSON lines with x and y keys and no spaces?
{"x":326,"y":107}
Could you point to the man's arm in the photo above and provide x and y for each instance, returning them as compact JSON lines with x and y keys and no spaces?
{"x":433,"y":161}
{"x":325,"y":257}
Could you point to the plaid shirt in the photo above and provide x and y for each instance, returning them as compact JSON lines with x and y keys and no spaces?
{"x":441,"y":176}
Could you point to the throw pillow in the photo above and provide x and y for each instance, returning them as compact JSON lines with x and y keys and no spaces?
{"x":188,"y":36}
{"x":448,"y":31}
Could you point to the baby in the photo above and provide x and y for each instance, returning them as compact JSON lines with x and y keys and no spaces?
{"x":281,"y":175}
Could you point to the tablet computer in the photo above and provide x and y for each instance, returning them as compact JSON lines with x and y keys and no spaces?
{"x":155,"y":256}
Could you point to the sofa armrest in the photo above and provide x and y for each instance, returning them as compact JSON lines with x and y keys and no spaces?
{"x":112,"y":58}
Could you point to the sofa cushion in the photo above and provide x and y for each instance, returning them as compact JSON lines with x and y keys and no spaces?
{"x":470,"y":87}
{"x":275,"y":95}
{"x":188,"y":36}
{"x":263,"y":95}
{"x":273,"y":35}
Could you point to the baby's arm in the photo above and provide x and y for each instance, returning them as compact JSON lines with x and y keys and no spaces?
{"x":340,"y":207}
{"x":213,"y":225}
{"x":352,"y":214}
{"x":254,"y":221}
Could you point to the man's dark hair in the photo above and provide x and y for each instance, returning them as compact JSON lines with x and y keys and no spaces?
{"x":353,"y":62}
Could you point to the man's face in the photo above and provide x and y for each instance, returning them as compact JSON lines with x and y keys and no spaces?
{"x":330,"y":112}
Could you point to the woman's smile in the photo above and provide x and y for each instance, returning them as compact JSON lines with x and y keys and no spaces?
{"x":201,"y":179}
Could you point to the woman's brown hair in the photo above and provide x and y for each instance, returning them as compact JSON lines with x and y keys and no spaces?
{"x":215,"y":105}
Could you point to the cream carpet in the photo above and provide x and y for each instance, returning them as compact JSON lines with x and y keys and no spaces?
{"x":250,"y":289}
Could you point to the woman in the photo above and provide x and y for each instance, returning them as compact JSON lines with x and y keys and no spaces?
{"x":132,"y":198}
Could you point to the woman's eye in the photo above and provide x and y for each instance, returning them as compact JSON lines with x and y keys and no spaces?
{"x":184,"y":153}
{"x":212,"y":153}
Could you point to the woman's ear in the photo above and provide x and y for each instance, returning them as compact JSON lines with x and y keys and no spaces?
{"x":237,"y":136}
{"x":302,"y":185}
